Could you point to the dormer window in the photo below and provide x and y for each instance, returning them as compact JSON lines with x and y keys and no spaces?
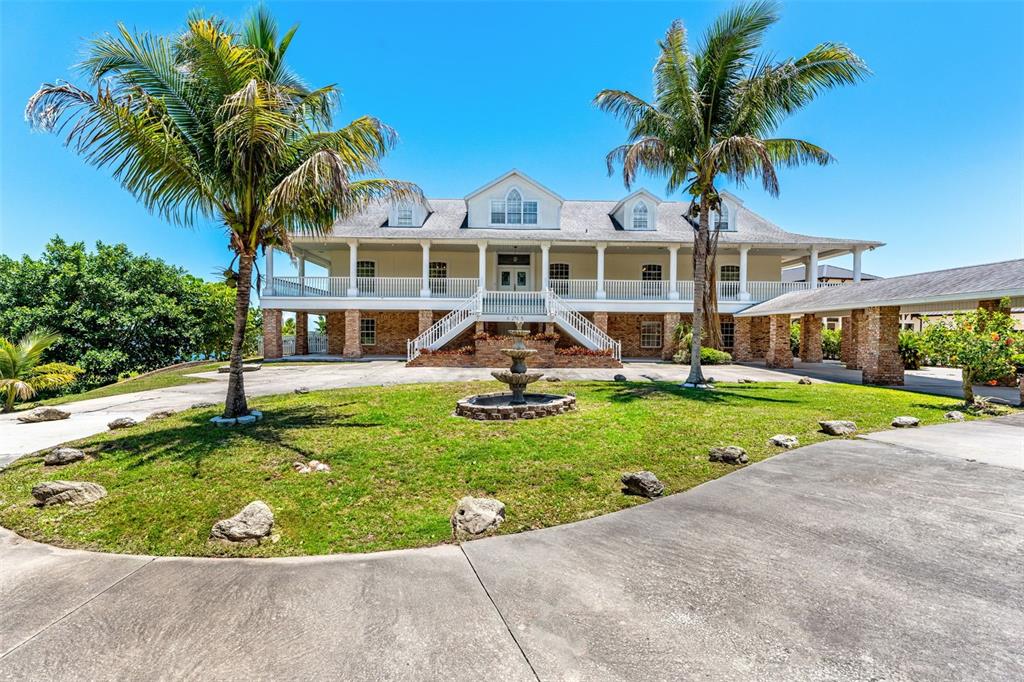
{"x":641,"y":218}
{"x":513,"y":210}
{"x":403,"y":217}
{"x":722,"y":217}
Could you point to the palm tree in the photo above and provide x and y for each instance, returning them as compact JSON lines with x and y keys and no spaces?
{"x":212,"y":124}
{"x":21,"y":375}
{"x":714,"y":113}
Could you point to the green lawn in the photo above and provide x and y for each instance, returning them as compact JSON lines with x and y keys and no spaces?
{"x":164,"y":379}
{"x":400,"y":461}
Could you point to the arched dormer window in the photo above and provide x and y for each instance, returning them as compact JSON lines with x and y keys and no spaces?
{"x":722,"y":217}
{"x":513,"y":210}
{"x":641,"y":218}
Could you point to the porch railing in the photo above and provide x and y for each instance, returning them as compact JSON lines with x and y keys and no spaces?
{"x":514,"y":303}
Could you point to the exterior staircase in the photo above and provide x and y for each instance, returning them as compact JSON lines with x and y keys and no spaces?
{"x":530,"y":306}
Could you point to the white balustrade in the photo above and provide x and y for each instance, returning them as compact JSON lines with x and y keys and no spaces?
{"x":444,"y":329}
{"x":570,"y":318}
{"x":514,"y":303}
{"x":762,"y":291}
{"x":453,"y":287}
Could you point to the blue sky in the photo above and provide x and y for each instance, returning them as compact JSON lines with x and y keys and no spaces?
{"x":930,"y":149}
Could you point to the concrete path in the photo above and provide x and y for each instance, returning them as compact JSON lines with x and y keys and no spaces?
{"x":89,"y":417}
{"x":849,"y":559}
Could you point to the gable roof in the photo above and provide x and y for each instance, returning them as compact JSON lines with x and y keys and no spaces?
{"x":975,"y":282}
{"x":511,"y":173}
{"x":825,"y":271}
{"x":639,"y":192}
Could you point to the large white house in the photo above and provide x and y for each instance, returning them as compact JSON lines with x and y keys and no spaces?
{"x":612,"y":276}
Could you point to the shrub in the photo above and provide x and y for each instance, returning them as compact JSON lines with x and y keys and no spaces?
{"x":910,"y":349}
{"x":794,"y":338}
{"x":462,"y":350}
{"x":580,"y":351}
{"x":708,"y":356}
{"x":831,"y":343}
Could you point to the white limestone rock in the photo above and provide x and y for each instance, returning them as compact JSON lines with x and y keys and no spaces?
{"x":729,"y":454}
{"x":160,"y":414}
{"x":61,"y":456}
{"x":805,"y":381}
{"x":248,"y":527}
{"x":476,"y":517}
{"x":784,"y":441}
{"x":955,"y":415}
{"x":313,"y":466}
{"x":121,"y":423}
{"x":838,"y":427}
{"x":905,"y":422}
{"x":43,"y":414}
{"x":73,"y":493}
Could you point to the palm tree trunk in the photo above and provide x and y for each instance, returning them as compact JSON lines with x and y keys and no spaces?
{"x":700,"y":271}
{"x":967,"y":379}
{"x":712,"y":325}
{"x":9,"y":397}
{"x":235,"y":405}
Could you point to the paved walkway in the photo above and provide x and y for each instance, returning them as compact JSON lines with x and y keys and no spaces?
{"x":848,"y":559}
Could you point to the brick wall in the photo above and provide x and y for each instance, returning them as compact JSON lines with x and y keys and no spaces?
{"x":352,"y":347}
{"x":880,"y":353}
{"x":488,"y":354}
{"x":394,"y":329}
{"x":855,"y":339}
{"x":810,"y":339}
{"x":847,"y":341}
{"x":272,"y":334}
{"x":779,"y":353}
{"x":336,"y":333}
{"x":301,"y":333}
{"x":625,"y":328}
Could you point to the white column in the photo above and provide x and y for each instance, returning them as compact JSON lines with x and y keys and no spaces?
{"x":812,"y":268}
{"x":483,"y":264}
{"x":545,"y":265}
{"x":856,"y":263}
{"x":302,"y":266}
{"x":673,"y":272}
{"x":744,"y":294}
{"x":353,"y":256}
{"x":600,"y":271}
{"x":425,"y":284}
{"x":268,"y":270}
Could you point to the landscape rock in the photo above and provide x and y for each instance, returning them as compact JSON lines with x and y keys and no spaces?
{"x":955,"y":415}
{"x":552,"y":379}
{"x":311,"y":467}
{"x":805,"y":381}
{"x":160,"y":414}
{"x":784,"y":441}
{"x":121,"y":423}
{"x":746,"y":381}
{"x":43,"y":414}
{"x":838,"y":427}
{"x":302,"y":390}
{"x":61,"y":456}
{"x":74,"y":493}
{"x":200,"y":406}
{"x":642,"y":483}
{"x":730,"y":454}
{"x":905,"y":422}
{"x":247,"y":527}
{"x":475,"y":517}
{"x":619,"y":377}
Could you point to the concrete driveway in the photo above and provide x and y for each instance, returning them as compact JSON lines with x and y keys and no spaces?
{"x":848,"y":559}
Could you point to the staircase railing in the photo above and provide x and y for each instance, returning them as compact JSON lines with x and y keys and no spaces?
{"x":437,"y":334}
{"x":570,"y":318}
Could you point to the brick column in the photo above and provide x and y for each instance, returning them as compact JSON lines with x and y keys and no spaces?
{"x":810,"y":339}
{"x":352,"y":347}
{"x":336,"y":333}
{"x":741,"y":351}
{"x":302,"y":333}
{"x":852,"y":339}
{"x":479,"y":328}
{"x":271,"y":334}
{"x":601,"y":320}
{"x":880,"y":354}
{"x":759,"y":327}
{"x":845,"y":342}
{"x":549,"y":328}
{"x":668,"y":334}
{"x":779,"y":353}
{"x":426,"y":320}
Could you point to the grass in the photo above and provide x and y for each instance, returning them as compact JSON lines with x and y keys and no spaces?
{"x":400,"y":461}
{"x":163,"y":379}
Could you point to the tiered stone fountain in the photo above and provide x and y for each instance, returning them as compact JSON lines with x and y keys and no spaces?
{"x":518,"y":404}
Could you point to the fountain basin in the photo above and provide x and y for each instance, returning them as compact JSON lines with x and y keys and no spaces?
{"x":498,"y":406}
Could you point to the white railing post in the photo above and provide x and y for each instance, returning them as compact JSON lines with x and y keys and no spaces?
{"x":673,"y":272}
{"x":425,"y":285}
{"x":353,"y":257}
{"x":600,"y":271}
{"x":744,"y":295}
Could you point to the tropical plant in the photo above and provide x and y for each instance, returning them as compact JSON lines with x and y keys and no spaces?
{"x":981,"y":343}
{"x":288,"y":327}
{"x":714,"y":113}
{"x":831,"y":343}
{"x":321,"y":324}
{"x":210,"y":123}
{"x":910,"y":349}
{"x":21,"y":374}
{"x":794,"y":338}
{"x":708,"y":356}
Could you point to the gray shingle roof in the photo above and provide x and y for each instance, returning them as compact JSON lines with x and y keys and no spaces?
{"x":825,"y":271}
{"x":580,"y":221}
{"x":991,"y":280}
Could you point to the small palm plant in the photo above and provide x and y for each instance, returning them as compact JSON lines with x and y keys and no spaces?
{"x":715,"y":113}
{"x":210,"y":124}
{"x":21,"y":375}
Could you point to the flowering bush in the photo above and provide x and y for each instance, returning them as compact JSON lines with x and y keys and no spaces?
{"x":981,"y":343}
{"x":462,"y":350}
{"x":578,"y":351}
{"x":542,"y":336}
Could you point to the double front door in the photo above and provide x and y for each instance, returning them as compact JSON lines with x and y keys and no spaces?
{"x":514,"y":278}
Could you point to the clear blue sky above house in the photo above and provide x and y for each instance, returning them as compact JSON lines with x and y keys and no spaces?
{"x":930,"y":149}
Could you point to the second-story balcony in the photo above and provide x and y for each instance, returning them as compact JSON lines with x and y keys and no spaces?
{"x":568,"y":289}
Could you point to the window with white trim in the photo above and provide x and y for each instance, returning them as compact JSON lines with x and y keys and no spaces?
{"x":722,"y":217}
{"x":368,"y":331}
{"x":650,"y":334}
{"x":514,"y":207}
{"x":366,"y":268}
{"x":651,"y":272}
{"x":728,"y":334}
{"x":529,"y":213}
{"x":497,"y":212}
{"x":513,"y":210}
{"x":558,"y":271}
{"x":729,"y":273}
{"x":641,"y":218}
{"x":403,"y":217}
{"x":438,"y":269}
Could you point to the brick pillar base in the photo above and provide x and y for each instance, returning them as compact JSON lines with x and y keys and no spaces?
{"x":880,"y":355}
{"x":479,"y":328}
{"x":601,"y":320}
{"x":336,"y":333}
{"x":271,"y":334}
{"x":668,"y":335}
{"x":810,"y":339}
{"x":779,"y":353}
{"x":854,"y":339}
{"x":741,"y":351}
{"x":301,"y":333}
{"x":549,"y":327}
{"x":845,"y":342}
{"x":426,"y":320}
{"x":352,"y":347}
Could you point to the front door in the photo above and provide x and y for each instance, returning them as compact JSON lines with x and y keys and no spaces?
{"x":513,"y":278}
